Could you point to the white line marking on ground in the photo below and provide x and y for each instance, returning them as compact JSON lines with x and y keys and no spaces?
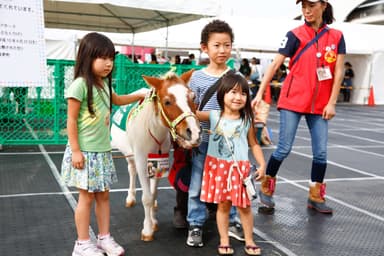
{"x":39,"y":153}
{"x":373,"y":176}
{"x":68,"y":192}
{"x":28,"y":153}
{"x":359,"y":150}
{"x":349,"y":129}
{"x":71,"y":200}
{"x":339,"y":146}
{"x":119,"y":190}
{"x":341,"y":166}
{"x":268,"y":239}
{"x":333,"y":180}
{"x":264,"y":147}
{"x":370,"y":214}
{"x":356,"y":137}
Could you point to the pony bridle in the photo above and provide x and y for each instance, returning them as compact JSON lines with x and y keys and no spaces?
{"x":172,"y":124}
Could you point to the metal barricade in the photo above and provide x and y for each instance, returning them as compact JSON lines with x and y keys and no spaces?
{"x":37,"y":115}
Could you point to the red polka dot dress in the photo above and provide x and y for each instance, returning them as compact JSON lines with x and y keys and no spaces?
{"x":221,"y":178}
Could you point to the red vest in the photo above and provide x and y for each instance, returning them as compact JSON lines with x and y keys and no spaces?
{"x":302,"y":91}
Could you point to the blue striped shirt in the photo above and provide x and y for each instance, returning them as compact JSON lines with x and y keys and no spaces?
{"x":200,"y":81}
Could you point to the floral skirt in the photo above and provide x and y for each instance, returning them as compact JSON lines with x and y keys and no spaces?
{"x":216,"y":187}
{"x":98,"y":175}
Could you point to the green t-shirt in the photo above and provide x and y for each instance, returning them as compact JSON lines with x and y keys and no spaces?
{"x":93,"y":131}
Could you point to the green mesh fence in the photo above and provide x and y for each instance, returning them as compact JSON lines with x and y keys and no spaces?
{"x":37,"y":115}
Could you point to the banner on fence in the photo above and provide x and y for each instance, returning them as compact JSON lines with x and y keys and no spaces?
{"x":22,"y":44}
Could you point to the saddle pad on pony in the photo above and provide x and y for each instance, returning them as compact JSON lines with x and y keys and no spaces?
{"x":119,"y":118}
{"x":125,"y":112}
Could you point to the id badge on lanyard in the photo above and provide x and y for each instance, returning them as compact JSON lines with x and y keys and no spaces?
{"x":323,"y":73}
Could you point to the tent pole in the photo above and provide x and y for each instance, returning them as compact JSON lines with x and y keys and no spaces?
{"x":133,"y":48}
{"x":166,"y":43}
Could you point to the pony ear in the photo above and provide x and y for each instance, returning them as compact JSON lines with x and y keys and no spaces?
{"x":153,"y":81}
{"x":187,"y":75}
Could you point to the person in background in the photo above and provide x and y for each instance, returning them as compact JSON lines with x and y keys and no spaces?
{"x":87,"y":163}
{"x":227,"y":162}
{"x":153,"y":59}
{"x":255,"y":76}
{"x":282,"y":73}
{"x":139,"y":60}
{"x":190,"y":61}
{"x":245,"y":68}
{"x":347,"y":82}
{"x":177,"y":59}
{"x":277,"y":81}
{"x":310,"y":90}
{"x":216,"y":41}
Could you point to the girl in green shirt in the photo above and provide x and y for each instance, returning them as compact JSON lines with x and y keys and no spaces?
{"x":87,"y":163}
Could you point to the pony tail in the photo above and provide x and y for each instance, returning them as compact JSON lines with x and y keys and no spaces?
{"x":328,"y":17}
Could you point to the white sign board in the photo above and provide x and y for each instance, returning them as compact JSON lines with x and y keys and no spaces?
{"x":22,"y":44}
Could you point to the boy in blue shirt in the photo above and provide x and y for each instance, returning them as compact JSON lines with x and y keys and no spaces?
{"x":216,"y":41}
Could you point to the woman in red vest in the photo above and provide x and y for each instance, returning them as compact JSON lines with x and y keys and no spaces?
{"x":311,"y":89}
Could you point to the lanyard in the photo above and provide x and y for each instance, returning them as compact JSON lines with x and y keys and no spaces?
{"x":101,"y":93}
{"x":317,"y":37}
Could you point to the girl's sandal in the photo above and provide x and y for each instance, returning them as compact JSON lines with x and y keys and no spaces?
{"x":252,"y":250}
{"x":225,"y":250}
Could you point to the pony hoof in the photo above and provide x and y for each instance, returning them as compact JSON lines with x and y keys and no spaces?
{"x":155,"y":227}
{"x":155,"y":206}
{"x":146,"y":238}
{"x":130,"y":204}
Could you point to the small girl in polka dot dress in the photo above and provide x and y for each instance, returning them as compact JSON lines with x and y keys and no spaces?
{"x":231,"y":136}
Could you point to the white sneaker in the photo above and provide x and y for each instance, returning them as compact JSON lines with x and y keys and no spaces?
{"x":86,"y":249}
{"x":110,"y":247}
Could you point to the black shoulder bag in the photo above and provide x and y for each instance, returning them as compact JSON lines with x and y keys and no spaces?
{"x":207,"y":96}
{"x":317,"y":37}
{"x":211,"y":90}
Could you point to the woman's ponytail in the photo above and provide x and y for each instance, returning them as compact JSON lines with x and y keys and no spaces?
{"x":328,"y":14}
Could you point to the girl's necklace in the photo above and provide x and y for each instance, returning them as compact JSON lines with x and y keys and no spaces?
{"x":101,"y":92}
{"x":235,"y":132}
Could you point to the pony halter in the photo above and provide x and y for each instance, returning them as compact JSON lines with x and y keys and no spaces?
{"x":172,"y":124}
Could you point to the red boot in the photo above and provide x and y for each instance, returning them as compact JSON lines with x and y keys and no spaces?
{"x":267,"y":189}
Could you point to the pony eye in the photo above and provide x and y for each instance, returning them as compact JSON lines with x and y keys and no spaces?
{"x":167,"y":103}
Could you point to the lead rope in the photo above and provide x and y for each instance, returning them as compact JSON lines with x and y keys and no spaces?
{"x":172,"y":124}
{"x":156,"y":140}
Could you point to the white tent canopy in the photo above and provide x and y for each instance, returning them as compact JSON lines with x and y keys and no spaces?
{"x":265,"y":36}
{"x":121,"y":16}
{"x":364,"y":45}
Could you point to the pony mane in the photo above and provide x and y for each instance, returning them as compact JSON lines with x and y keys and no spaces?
{"x":169,"y":75}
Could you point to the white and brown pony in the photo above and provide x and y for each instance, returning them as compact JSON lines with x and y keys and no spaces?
{"x":168,"y":110}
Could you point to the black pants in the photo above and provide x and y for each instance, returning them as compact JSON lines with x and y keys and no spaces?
{"x":347,"y":94}
{"x":181,"y":202}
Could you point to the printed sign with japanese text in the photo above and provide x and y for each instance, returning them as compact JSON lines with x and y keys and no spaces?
{"x":22,"y":44}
